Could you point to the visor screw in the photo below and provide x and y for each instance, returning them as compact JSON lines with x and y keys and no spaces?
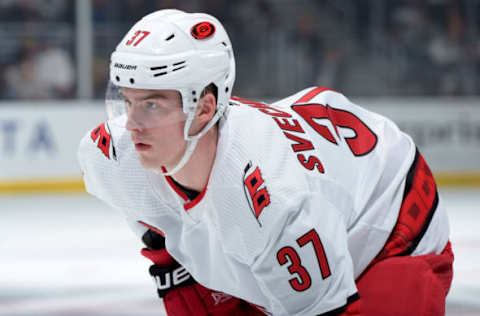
{"x":226,"y":89}
{"x":117,"y":78}
{"x":194,"y":92}
{"x":195,"y":100}
{"x":132,"y":81}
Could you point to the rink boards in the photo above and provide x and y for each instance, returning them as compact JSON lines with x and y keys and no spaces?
{"x":38,"y":140}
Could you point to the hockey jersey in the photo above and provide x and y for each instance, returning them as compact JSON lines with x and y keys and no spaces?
{"x":302,"y":196}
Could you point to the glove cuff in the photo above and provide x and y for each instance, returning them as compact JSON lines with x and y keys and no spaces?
{"x":159,"y":257}
{"x":167,"y":279}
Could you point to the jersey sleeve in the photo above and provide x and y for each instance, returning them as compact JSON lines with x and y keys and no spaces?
{"x":97,"y":156}
{"x":306,"y":268}
{"x":112,"y":171}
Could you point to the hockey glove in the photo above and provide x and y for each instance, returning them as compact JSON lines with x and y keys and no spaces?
{"x":181,"y":294}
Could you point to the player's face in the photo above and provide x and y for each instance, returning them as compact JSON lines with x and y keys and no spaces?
{"x":155,"y":122}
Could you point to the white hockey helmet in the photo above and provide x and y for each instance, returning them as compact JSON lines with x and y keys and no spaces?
{"x":174,"y":50}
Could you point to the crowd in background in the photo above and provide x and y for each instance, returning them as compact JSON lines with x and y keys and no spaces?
{"x":36,"y":59}
{"x":369,"y":47}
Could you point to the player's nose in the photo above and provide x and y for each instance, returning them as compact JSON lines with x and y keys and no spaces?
{"x":134,"y":120}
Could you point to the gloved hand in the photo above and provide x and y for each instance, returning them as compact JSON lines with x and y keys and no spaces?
{"x":181,"y":294}
{"x":167,"y":273}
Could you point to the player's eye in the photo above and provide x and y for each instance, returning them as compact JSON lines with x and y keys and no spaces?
{"x":128,"y":103}
{"x":150,"y":105}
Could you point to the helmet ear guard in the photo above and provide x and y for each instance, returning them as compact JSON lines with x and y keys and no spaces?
{"x":174,"y":50}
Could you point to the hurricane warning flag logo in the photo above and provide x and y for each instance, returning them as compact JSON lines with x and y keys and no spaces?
{"x":105,"y":142}
{"x":255,"y":190}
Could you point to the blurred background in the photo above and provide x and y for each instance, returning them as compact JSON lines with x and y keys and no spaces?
{"x":364,"y":48}
{"x":64,"y":253}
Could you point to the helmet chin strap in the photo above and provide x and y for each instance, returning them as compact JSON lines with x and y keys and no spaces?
{"x":191,"y":145}
{"x":192,"y":140}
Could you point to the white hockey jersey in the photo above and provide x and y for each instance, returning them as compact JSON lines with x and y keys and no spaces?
{"x":302,"y":196}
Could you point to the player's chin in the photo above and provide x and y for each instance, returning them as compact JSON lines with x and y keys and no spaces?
{"x":147,"y":161}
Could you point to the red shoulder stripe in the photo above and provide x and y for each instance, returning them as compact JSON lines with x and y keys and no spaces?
{"x":312,"y":93}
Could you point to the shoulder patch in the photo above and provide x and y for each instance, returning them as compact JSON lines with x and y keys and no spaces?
{"x":255,"y":191}
{"x":105,"y":142}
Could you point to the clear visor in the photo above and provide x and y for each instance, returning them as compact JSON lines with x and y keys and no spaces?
{"x":138,"y":108}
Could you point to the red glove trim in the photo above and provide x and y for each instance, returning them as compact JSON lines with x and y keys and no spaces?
{"x":160,"y":257}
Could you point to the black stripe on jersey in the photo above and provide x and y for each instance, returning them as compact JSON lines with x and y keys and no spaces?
{"x":340,"y":310}
{"x":410,"y":174}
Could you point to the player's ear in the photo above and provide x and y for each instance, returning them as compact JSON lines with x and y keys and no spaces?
{"x":206,"y":107}
{"x":204,"y":113}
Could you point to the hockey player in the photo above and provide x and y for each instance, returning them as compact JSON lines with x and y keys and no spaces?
{"x":311,"y":205}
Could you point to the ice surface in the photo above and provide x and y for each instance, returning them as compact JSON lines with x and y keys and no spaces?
{"x":70,"y":255}
{"x":463,"y":207}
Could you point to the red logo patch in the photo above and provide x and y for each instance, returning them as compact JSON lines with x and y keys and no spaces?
{"x":105,"y":143}
{"x":257,"y":196}
{"x":203,"y":30}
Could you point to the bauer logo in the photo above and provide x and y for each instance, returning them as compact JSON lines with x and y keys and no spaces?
{"x":203,"y":30}
{"x":126,"y":67}
{"x":169,"y":280}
